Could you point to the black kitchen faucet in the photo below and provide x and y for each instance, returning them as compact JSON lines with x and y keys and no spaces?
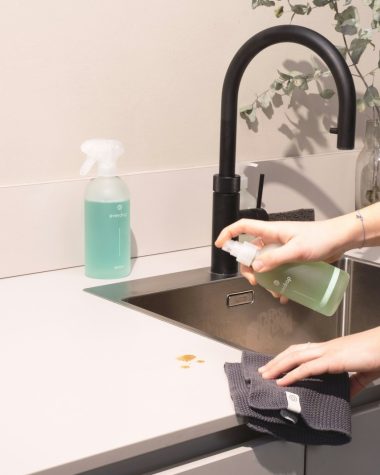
{"x":226,"y":183}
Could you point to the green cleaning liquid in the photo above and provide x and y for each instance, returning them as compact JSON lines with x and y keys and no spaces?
{"x":316,"y":285}
{"x":107,"y":239}
{"x":107,"y":230}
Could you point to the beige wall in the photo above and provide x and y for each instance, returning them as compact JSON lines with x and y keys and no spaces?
{"x":148,"y":73}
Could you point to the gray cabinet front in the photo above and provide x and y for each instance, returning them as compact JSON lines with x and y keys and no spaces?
{"x":254,"y":458}
{"x":360,"y":457}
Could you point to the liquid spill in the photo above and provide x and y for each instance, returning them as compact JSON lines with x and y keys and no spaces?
{"x":188,"y":359}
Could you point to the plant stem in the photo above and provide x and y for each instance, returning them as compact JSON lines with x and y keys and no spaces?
{"x":359,"y":74}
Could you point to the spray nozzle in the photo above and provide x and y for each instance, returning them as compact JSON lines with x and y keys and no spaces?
{"x":104,"y":152}
{"x":245,"y":252}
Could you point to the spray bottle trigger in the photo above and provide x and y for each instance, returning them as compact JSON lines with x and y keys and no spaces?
{"x":87,"y":165}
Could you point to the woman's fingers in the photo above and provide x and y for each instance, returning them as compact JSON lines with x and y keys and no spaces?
{"x":247,"y":272}
{"x":313,"y":367}
{"x":250,"y":276}
{"x":289,"y":359}
{"x":247,"y":226}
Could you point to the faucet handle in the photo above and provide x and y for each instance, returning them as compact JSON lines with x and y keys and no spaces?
{"x":334,"y":130}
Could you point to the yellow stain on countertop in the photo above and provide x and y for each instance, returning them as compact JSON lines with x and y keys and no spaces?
{"x":188,"y":359}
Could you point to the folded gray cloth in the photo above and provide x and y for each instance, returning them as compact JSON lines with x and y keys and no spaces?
{"x":312,"y":411}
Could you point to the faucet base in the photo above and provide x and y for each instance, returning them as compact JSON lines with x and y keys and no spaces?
{"x":225,"y":212}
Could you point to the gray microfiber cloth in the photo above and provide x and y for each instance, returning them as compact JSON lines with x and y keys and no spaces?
{"x":321,"y":413}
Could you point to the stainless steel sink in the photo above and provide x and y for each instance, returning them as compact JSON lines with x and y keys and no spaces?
{"x":232,"y":311}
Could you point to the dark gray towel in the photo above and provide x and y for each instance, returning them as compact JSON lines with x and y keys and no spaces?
{"x":322,"y":414}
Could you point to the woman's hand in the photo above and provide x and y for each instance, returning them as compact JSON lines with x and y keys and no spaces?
{"x":359,"y":353}
{"x":301,"y":241}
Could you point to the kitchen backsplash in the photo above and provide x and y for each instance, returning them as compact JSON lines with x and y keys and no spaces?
{"x":42,"y":223}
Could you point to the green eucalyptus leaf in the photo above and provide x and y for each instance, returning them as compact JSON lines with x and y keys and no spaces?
{"x":295,"y":74}
{"x":246,"y":109}
{"x":300,"y":9}
{"x":264,"y":100}
{"x":276,"y":85}
{"x":301,"y":81}
{"x":378,"y":63}
{"x":360,"y":105}
{"x":350,"y":13}
{"x":342,"y":50}
{"x":252,"y":117}
{"x":357,"y":48}
{"x":288,"y":87}
{"x":248,"y":113}
{"x":262,"y":3}
{"x":371,"y":96}
{"x":278,"y":11}
{"x":284,"y":76}
{"x":365,"y":34}
{"x":321,"y":3}
{"x":303,"y":85}
{"x":348,"y":27}
{"x":327,"y":93}
{"x":347,"y":20}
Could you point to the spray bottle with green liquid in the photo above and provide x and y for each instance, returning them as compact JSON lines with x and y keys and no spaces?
{"x":106,"y":212}
{"x":316,"y":285}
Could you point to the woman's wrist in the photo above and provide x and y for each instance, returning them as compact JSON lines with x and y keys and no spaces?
{"x":349,"y":231}
{"x":359,"y":228}
{"x":371,"y":223}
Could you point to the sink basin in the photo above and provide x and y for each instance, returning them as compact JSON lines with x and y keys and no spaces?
{"x":232,"y":311}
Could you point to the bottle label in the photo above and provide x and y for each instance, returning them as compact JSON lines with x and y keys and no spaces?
{"x":107,"y":238}
{"x":284,"y":285}
{"x":119,"y":211}
{"x":293,"y":400}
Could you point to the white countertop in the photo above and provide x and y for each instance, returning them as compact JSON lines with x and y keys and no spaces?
{"x":86,"y":382}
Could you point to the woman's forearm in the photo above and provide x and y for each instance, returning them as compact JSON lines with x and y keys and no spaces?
{"x":359,"y":228}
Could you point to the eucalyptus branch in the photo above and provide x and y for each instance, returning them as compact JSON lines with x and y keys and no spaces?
{"x":354,"y":63}
{"x":284,"y":85}
{"x":347,"y":23}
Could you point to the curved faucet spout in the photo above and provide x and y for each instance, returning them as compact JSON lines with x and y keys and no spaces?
{"x":280,"y":34}
{"x":226,"y":183}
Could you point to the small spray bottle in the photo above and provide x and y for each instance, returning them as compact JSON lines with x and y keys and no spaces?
{"x":316,"y":285}
{"x":107,"y":212}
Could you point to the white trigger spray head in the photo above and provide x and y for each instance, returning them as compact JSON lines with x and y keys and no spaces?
{"x":245,"y":252}
{"x":104,"y":152}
